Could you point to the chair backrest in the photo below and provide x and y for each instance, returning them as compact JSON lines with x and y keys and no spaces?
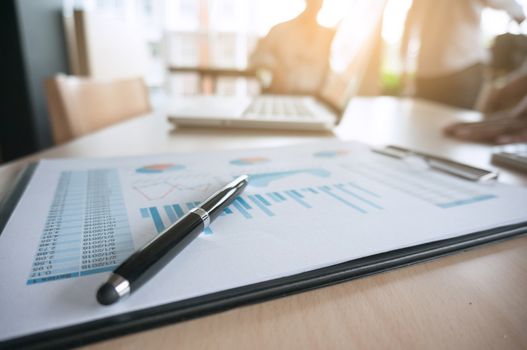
{"x":79,"y":105}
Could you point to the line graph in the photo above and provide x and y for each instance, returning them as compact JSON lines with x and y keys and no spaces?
{"x":161,"y":187}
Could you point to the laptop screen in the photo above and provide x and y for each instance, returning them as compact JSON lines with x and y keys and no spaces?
{"x":351,"y":51}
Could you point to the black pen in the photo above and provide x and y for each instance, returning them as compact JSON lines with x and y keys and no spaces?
{"x":147,"y":261}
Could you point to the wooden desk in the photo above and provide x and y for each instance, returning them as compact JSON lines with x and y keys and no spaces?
{"x":476,"y":299}
{"x":214,"y":71}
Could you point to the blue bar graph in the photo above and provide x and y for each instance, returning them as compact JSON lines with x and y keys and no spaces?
{"x":359,"y":199}
{"x":243,"y":203}
{"x":295,"y":196}
{"x":261,"y":205}
{"x":296,"y":193}
{"x":327,"y":190}
{"x":170,"y":212}
{"x":362,"y":199}
{"x":241,"y":209}
{"x":274,"y":197}
{"x":269,"y":204}
{"x":262,"y":199}
{"x":279,"y":196}
{"x":154,"y":213}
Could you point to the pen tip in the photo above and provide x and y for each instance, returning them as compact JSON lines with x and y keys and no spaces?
{"x":107,"y":294}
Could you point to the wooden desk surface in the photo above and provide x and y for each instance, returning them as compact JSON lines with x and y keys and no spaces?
{"x":214,"y":71}
{"x":476,"y":299}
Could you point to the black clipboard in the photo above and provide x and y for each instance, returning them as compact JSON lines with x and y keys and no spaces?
{"x":140,"y":320}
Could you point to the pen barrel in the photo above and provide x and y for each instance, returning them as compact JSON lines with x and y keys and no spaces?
{"x":151,"y":258}
{"x":216,"y":204}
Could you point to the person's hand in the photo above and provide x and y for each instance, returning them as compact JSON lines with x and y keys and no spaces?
{"x":500,"y":129}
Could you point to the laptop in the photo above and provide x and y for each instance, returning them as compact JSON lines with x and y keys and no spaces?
{"x":321,"y":111}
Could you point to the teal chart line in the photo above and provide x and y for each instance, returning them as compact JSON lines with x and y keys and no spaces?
{"x":264,"y":179}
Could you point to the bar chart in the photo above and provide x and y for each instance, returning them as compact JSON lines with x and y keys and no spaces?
{"x":357,"y":199}
{"x":173,"y":213}
{"x":264,"y":179}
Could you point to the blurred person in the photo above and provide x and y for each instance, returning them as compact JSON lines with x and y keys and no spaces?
{"x":506,"y":120}
{"x":450,"y":59}
{"x":295,"y":53}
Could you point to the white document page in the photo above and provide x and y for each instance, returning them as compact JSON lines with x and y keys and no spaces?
{"x":306,"y":207}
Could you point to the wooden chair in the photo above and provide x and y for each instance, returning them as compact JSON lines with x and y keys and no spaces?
{"x":78,"y":106}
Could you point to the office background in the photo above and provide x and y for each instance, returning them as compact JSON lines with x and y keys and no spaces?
{"x":163,"y":34}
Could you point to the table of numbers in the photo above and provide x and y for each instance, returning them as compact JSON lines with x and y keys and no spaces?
{"x":86,"y":230}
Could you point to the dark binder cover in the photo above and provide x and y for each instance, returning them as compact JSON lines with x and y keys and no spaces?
{"x":85,"y":333}
{"x":10,"y":200}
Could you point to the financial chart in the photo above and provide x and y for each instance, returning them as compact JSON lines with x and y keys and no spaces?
{"x":305,"y":208}
{"x":88,"y":230}
{"x":268,"y":204}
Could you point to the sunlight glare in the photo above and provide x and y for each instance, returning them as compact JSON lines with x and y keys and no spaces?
{"x":393,"y":21}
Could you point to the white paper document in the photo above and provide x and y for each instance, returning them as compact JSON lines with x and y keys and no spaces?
{"x":306,"y":207}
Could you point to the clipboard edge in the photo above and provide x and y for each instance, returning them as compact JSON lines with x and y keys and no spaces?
{"x":145,"y":319}
{"x":10,"y":200}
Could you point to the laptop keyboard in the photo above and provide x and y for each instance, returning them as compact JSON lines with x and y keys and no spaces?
{"x":273,"y":106}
